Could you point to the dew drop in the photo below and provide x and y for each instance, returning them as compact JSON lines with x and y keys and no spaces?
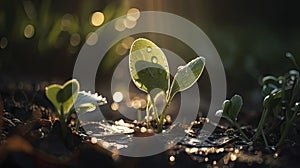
{"x":154,"y":59}
{"x":275,"y":155}
{"x":94,"y":140}
{"x":171,"y":158}
{"x":180,"y":67}
{"x":149,"y":49}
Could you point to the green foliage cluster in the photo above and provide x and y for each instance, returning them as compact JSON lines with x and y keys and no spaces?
{"x":281,"y":104}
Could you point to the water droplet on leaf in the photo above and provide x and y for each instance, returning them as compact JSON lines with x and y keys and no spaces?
{"x":154,"y":59}
{"x":149,"y":49}
{"x":180,"y":67}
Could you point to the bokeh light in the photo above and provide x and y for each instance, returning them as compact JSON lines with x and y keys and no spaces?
{"x":120,"y":50}
{"x":3,"y":42}
{"x":75,"y":39}
{"x":66,"y":22}
{"x":97,"y":18}
{"x":126,"y":43}
{"x":114,"y":106}
{"x":118,"y":97}
{"x":137,"y":103}
{"x":171,"y":158}
{"x":119,"y":25}
{"x":29,"y":31}
{"x":133,"y":14}
{"x":92,"y":38}
{"x":129,"y":24}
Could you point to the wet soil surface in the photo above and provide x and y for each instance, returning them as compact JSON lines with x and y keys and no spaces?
{"x":30,"y":136}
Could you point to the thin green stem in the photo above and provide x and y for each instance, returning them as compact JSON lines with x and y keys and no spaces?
{"x":77,"y":124}
{"x":261,"y":122}
{"x":240,"y":130}
{"x":289,"y":121}
{"x":72,"y":111}
{"x":139,"y":115}
{"x":163,"y":115}
{"x":292,"y":58}
{"x":155,"y":113}
{"x":286,"y":130}
{"x":62,"y":122}
{"x":283,"y":134}
{"x":265,"y":139}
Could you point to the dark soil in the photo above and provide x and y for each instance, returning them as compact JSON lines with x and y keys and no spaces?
{"x":31,"y":137}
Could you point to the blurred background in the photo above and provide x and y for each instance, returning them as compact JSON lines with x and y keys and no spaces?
{"x":40,"y":40}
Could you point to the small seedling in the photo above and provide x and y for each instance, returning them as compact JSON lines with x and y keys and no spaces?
{"x":67,"y":99}
{"x":149,"y":71}
{"x":280,"y":102}
{"x":63,"y":98}
{"x":230,"y":111}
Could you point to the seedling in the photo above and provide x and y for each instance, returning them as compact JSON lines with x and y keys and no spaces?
{"x":63,"y":98}
{"x":149,"y":71}
{"x":67,"y":99}
{"x":280,"y":94}
{"x":280,"y":101}
{"x":230,"y":111}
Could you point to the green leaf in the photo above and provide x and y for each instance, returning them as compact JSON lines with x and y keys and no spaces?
{"x":63,"y":95}
{"x":51,"y":92}
{"x":226,"y":107}
{"x":148,"y":66}
{"x":268,"y":89}
{"x":187,"y":75}
{"x":269,"y":80}
{"x":235,"y":106}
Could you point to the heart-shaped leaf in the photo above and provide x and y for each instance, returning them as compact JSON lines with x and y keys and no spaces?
{"x":148,"y":65}
{"x":64,"y":96}
{"x":187,"y":75}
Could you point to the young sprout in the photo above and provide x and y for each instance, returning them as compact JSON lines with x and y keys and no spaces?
{"x":280,"y":93}
{"x":230,"y":111}
{"x":149,"y":71}
{"x":67,"y":100}
{"x":63,"y":98}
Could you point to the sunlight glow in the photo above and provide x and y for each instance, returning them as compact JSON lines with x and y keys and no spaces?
{"x":120,"y":50}
{"x":29,"y":31}
{"x":3,"y":42}
{"x":129,"y":24}
{"x":133,"y":14}
{"x":75,"y":39}
{"x":119,"y":25}
{"x":114,"y":106}
{"x":126,"y":43}
{"x":66,"y":22}
{"x":92,"y":38}
{"x":171,"y":158}
{"x":97,"y":18}
{"x":118,"y":97}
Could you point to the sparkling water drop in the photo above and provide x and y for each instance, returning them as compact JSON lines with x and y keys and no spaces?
{"x":180,"y":67}
{"x":149,"y":49}
{"x":154,"y":59}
